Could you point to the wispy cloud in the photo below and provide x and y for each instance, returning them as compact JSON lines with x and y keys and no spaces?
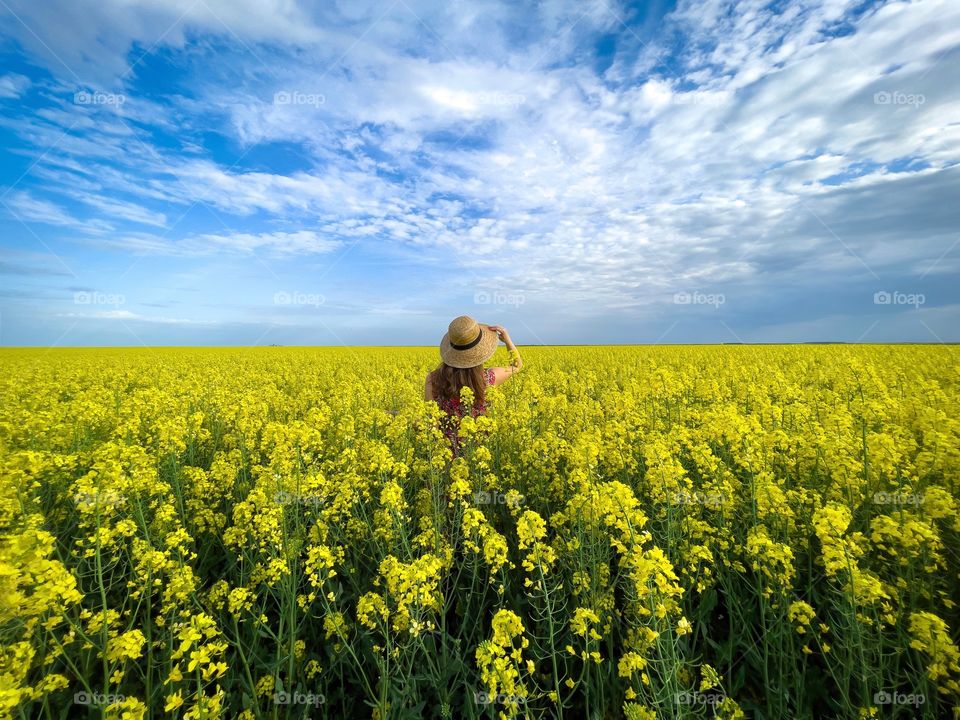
{"x":8,"y":268}
{"x":274,"y":244}
{"x":24,"y":206}
{"x":13,"y":85}
{"x":122,"y":315}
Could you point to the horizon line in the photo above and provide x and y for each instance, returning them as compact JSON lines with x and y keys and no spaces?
{"x":539,"y":345}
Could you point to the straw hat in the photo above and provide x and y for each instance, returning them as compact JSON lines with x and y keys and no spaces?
{"x":467,"y":343}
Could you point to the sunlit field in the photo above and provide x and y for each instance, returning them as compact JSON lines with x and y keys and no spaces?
{"x":641,"y":532}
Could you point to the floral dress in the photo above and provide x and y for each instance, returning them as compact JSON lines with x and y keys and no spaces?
{"x":452,"y":407}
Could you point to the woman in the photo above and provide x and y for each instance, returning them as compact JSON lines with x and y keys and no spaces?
{"x":463,"y":350}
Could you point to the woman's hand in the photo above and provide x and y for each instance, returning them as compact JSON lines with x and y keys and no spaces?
{"x":501,"y":333}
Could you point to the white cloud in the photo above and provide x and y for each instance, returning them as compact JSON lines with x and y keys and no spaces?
{"x":277,"y":244}
{"x":13,"y":85}
{"x":120,"y":209}
{"x":123,"y":315}
{"x":26,"y":207}
{"x":302,"y":242}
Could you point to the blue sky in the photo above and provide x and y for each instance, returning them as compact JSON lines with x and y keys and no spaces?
{"x":270,"y":171}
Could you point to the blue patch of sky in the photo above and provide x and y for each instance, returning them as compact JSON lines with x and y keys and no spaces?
{"x":867,"y":167}
{"x":605,"y":50}
{"x":475,"y":136}
{"x":907,"y":164}
{"x":162,"y":72}
{"x":847,"y":25}
{"x":853,"y":170}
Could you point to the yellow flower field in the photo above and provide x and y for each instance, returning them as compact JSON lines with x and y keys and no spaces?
{"x":640,"y":532}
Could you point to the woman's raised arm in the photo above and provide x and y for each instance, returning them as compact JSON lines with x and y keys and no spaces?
{"x":502,"y":374}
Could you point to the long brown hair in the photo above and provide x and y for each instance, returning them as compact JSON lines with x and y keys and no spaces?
{"x":446,"y":382}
